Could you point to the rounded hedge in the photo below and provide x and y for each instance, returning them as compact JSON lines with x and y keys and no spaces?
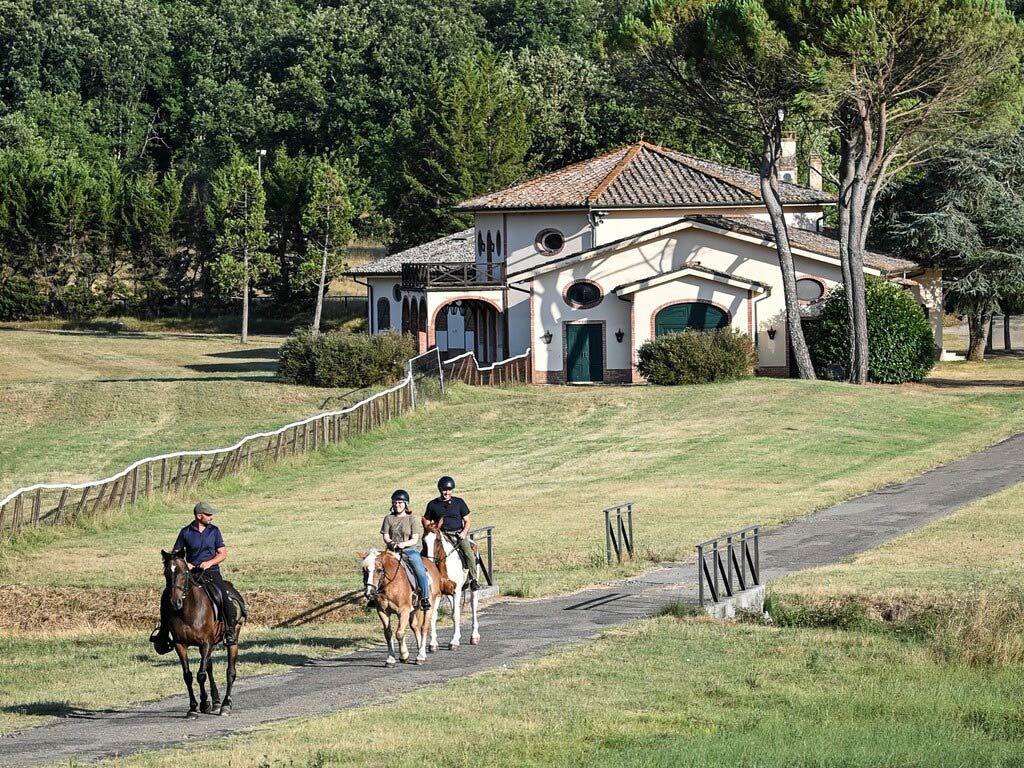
{"x":339,"y":359}
{"x":697,"y":357}
{"x":901,"y":346}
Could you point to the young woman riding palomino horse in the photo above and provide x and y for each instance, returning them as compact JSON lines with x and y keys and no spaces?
{"x":446,"y":520}
{"x":390,"y":588}
{"x":187,"y":612}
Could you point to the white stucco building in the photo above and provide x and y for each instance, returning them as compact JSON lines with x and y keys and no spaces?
{"x":585,"y":264}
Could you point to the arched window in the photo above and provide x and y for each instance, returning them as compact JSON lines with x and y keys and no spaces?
{"x":490,"y":247}
{"x":583,"y":294}
{"x":383,"y":314}
{"x":406,"y":320}
{"x":550,"y":241}
{"x":691,"y":315}
{"x":498,"y":240}
{"x":480,"y":243}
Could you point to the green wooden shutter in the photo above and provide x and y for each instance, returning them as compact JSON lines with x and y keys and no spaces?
{"x":693,"y":315}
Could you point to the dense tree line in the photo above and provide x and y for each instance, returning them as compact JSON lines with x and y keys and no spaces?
{"x":117,"y":117}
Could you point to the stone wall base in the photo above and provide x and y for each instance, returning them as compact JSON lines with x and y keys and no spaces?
{"x":774,"y":371}
{"x":748,"y":601}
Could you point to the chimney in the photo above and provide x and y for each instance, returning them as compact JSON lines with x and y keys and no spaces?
{"x":787,"y":162}
{"x":814,"y":177}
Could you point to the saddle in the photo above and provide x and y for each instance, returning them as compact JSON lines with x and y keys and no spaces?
{"x":411,"y":576}
{"x":214,"y":593}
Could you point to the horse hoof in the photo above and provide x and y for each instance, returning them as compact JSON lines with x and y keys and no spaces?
{"x":406,"y":660}
{"x":453,"y":646}
{"x":389,"y":663}
{"x":420,"y":662}
{"x":432,"y":649}
{"x":205,"y":708}
{"x":474,"y":641}
{"x":224,"y":711}
{"x":192,"y":715}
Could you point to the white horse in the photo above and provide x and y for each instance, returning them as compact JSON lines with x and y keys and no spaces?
{"x":453,"y":572}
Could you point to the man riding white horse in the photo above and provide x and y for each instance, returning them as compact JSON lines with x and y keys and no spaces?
{"x":453,"y":514}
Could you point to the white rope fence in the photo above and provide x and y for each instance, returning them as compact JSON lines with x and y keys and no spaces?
{"x":174,"y":472}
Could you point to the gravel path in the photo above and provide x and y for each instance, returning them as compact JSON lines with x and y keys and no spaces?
{"x":515,"y":631}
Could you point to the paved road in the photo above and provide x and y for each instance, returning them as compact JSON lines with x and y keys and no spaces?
{"x":515,"y":631}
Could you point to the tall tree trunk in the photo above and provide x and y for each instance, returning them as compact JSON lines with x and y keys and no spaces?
{"x":773,"y":202}
{"x":845,"y":192}
{"x":978,"y":320}
{"x":245,"y":296}
{"x":1006,"y":332}
{"x":321,"y":287}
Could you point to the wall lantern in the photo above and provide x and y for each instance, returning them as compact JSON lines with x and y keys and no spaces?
{"x":771,"y":333}
{"x":619,"y":335}
{"x":546,"y":337}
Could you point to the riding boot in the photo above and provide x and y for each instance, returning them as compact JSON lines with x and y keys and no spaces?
{"x":230,"y":620}
{"x":161,"y":637}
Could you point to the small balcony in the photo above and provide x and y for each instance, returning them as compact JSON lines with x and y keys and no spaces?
{"x":454,"y":274}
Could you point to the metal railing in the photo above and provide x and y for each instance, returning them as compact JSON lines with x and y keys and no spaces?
{"x":457,"y":274}
{"x":486,"y":553}
{"x":736,"y":564}
{"x":618,"y":532}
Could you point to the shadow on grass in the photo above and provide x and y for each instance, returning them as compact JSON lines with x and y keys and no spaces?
{"x":269,"y":366}
{"x":171,"y":379}
{"x":326,"y":608}
{"x":973,"y":383}
{"x":259,"y":353}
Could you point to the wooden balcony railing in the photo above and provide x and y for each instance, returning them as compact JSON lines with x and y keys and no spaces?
{"x":458,"y":274}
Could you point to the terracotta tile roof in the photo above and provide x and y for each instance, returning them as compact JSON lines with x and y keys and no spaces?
{"x":817,"y":242}
{"x":458,"y":247}
{"x":639,"y":176}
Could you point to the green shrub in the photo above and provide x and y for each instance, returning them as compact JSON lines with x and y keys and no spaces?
{"x":80,"y":304}
{"x":20,"y":299}
{"x":697,"y":357}
{"x":900,"y":343}
{"x":337,"y":359}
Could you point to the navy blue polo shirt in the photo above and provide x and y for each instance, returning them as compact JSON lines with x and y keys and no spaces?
{"x":200,"y":547}
{"x":452,"y":512}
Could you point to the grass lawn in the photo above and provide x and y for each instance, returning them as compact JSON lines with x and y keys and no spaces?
{"x":540,"y":463}
{"x":672,"y":692}
{"x":75,"y":406}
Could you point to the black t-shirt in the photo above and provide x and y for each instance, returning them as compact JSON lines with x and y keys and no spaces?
{"x":452,"y":512}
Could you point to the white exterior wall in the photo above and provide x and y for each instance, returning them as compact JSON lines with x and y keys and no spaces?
{"x":383,"y":287}
{"x":618,"y":224}
{"x":711,"y":250}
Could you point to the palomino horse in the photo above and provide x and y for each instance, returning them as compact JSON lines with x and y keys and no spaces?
{"x":389,"y":590}
{"x":448,"y":561}
{"x":193,"y":623}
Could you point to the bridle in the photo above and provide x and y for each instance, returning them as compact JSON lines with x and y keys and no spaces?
{"x":186,"y":588}
{"x":375,"y":589}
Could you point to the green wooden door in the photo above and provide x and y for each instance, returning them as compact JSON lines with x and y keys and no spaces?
{"x":694,"y":315}
{"x":583,"y":352}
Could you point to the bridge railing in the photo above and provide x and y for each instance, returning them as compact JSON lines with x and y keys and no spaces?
{"x":484,"y":536}
{"x":728,"y":564}
{"x":618,"y":531}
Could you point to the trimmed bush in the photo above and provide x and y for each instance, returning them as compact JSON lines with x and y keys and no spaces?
{"x":337,"y":359}
{"x":697,"y":357}
{"x":20,"y":299}
{"x":901,"y":347}
{"x":79,"y":304}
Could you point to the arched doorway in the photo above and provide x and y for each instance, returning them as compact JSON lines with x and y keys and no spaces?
{"x":690,"y":315}
{"x":470,"y":325}
{"x":405,"y":316}
{"x":421,"y":328}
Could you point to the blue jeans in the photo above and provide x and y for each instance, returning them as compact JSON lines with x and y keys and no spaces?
{"x":414,"y":559}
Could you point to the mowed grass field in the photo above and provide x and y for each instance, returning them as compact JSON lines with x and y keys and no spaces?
{"x":74,"y":406}
{"x":539,"y":463}
{"x":939,"y":685}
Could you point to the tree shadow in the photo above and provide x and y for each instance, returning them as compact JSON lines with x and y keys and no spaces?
{"x":270,"y":366}
{"x":265,"y":353}
{"x":974,"y":383}
{"x":319,"y":611}
{"x":171,"y":379}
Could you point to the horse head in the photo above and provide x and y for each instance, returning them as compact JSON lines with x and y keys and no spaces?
{"x":178,"y":577}
{"x":373,"y":569}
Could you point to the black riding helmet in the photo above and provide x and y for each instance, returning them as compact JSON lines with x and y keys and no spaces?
{"x":400,"y":495}
{"x":446,"y":484}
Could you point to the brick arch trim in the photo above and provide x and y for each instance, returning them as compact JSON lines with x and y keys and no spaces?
{"x":667,"y":304}
{"x":432,"y":326}
{"x":820,"y":281}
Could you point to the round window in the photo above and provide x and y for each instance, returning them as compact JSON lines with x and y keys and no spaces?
{"x":583,"y":294}
{"x":550,"y":241}
{"x":397,"y":292}
{"x":809,"y":290}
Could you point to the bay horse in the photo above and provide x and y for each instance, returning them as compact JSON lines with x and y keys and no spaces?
{"x":194,"y":623}
{"x":389,"y":591}
{"x":456,"y":578}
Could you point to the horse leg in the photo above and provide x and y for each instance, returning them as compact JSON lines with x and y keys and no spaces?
{"x":433,"y":623}
{"x":214,"y":693}
{"x":186,"y":674}
{"x":419,"y":628}
{"x":403,"y":626}
{"x":204,"y":668}
{"x":225,"y":708}
{"x":385,"y":619}
{"x":457,"y":617}
{"x":474,"y":637}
